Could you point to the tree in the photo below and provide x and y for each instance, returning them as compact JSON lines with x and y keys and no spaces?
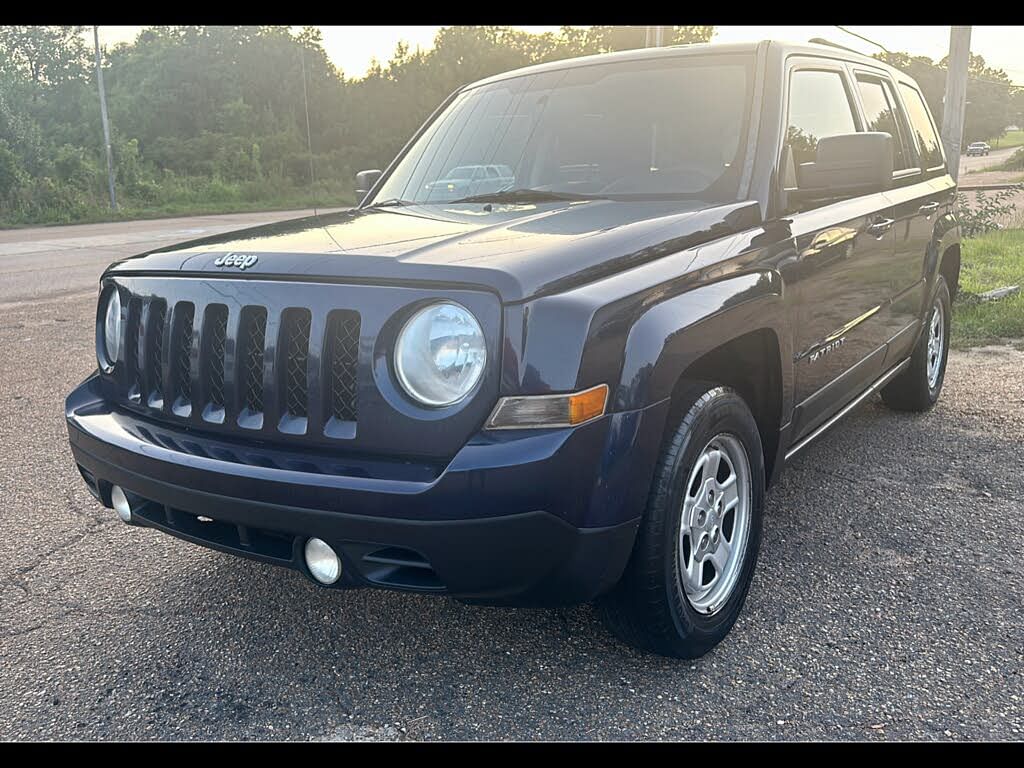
{"x":49,"y":55}
{"x":988,"y":97}
{"x":211,"y":112}
{"x":1017,"y":107}
{"x":605,"y":39}
{"x":988,"y":92}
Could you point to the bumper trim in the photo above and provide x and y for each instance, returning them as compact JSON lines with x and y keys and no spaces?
{"x":528,"y":559}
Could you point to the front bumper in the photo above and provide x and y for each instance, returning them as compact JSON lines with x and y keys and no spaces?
{"x":545,"y":518}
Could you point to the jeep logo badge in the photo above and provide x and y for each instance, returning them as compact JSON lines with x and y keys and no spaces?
{"x":240,"y":260}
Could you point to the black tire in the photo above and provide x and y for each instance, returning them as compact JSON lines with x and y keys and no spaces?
{"x":911,"y":390}
{"x":649,"y":608}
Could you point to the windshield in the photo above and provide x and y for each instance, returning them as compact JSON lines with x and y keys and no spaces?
{"x":665,"y":127}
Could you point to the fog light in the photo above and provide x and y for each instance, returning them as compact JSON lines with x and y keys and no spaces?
{"x":121,"y":504}
{"x":322,"y":561}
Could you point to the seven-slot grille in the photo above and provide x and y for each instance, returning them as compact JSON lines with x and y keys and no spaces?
{"x":177,"y":361}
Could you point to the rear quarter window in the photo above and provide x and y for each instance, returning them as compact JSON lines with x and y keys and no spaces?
{"x":881,"y":113}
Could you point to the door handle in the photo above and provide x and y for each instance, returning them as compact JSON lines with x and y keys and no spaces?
{"x":928,"y":208}
{"x":880,"y":226}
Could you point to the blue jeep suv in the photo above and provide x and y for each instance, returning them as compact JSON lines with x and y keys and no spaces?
{"x":572,"y":386}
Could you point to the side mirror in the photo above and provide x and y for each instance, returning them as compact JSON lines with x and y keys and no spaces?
{"x":364,"y":183}
{"x":846,"y":165}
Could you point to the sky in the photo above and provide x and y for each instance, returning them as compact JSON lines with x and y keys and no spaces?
{"x":353,"y":48}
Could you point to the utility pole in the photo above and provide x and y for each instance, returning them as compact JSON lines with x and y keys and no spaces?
{"x":103,"y":117}
{"x":955,"y":101}
{"x":654,"y":37}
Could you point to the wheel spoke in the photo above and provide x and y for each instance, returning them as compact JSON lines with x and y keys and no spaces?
{"x":692,"y":571}
{"x":720,"y":557}
{"x":730,"y":493}
{"x":685,"y":520}
{"x":714,"y":458}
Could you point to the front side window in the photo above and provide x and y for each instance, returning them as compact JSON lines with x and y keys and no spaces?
{"x":818,"y":107}
{"x":667,"y":127}
{"x":922,"y":126}
{"x":880,"y":111}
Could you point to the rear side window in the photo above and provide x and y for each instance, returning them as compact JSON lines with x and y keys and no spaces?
{"x":922,"y":126}
{"x":880,"y":111}
{"x":818,"y":106}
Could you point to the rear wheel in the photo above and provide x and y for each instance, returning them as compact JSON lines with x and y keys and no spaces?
{"x":919,"y":386}
{"x":697,"y":546}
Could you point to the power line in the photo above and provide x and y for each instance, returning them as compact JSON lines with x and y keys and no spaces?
{"x":975,"y":78}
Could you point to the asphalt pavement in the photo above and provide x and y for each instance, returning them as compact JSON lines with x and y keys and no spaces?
{"x":887,"y":602}
{"x":981,"y":162}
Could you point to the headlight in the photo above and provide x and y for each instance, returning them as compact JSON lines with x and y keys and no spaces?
{"x":440,"y":355}
{"x":111,"y":328}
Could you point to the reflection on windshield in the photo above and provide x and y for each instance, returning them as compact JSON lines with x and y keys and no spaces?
{"x":634,"y":129}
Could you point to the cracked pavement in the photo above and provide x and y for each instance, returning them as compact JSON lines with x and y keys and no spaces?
{"x":887,"y":602}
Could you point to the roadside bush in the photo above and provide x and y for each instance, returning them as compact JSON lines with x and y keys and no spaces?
{"x":73,"y":166}
{"x":11,"y":173}
{"x":986,"y":212}
{"x":128,"y":165}
{"x":44,"y":199}
{"x":1014,"y":163}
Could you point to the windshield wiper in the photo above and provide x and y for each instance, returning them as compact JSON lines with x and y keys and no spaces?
{"x":393,"y":202}
{"x":524,"y":196}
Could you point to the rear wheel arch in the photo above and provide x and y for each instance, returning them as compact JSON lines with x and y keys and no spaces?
{"x":949,"y":268}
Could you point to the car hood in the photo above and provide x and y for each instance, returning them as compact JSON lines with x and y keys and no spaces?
{"x":519,"y":251}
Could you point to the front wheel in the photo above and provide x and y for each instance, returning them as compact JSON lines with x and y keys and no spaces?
{"x":697,"y":546}
{"x":918,"y":387}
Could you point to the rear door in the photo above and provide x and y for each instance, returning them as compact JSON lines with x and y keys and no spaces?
{"x":916,"y":205}
{"x":844,"y":249}
{"x":934,"y":195}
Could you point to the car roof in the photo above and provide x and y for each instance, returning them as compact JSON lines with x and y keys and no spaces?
{"x":776,"y":47}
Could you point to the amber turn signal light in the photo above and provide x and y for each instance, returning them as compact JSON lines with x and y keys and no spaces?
{"x":538,"y":411}
{"x":588,"y":404}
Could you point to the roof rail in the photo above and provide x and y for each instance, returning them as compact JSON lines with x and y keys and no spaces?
{"x":823,"y":41}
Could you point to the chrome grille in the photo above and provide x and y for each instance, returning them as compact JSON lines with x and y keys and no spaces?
{"x":243,"y":366}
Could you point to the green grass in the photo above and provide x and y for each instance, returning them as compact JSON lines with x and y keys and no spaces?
{"x":1009,"y":139}
{"x":46,"y":202}
{"x":991,"y":261}
{"x":173,"y":210}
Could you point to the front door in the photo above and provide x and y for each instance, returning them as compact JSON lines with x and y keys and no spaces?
{"x":841,"y":276}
